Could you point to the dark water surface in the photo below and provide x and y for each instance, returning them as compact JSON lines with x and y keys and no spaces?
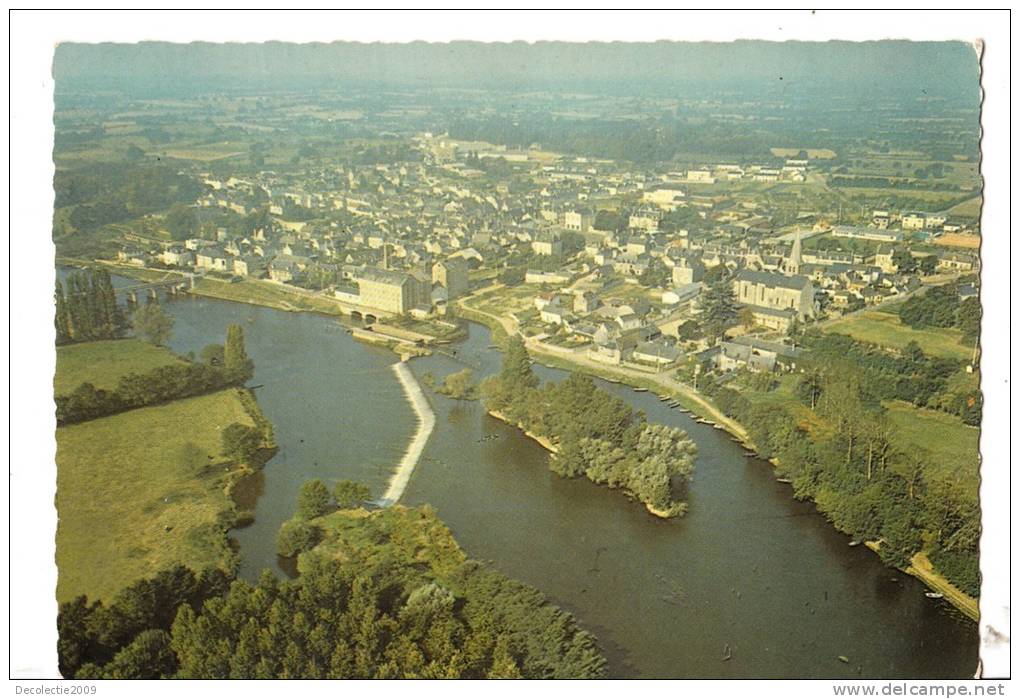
{"x":748,"y":567}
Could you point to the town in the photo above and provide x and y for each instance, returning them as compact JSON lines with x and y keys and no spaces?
{"x":577,"y":253}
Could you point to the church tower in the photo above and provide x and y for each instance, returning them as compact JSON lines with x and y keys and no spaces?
{"x":793,"y":262}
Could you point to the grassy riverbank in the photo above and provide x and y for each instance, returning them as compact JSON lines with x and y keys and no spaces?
{"x":142,"y":490}
{"x":260,"y":292}
{"x":103,"y":363}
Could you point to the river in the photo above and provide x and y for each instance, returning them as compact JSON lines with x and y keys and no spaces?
{"x":748,"y":568}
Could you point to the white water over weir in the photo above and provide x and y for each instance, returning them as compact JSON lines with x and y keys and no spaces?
{"x":426,"y":423}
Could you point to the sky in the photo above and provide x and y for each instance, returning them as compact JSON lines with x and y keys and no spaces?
{"x":948,"y":69}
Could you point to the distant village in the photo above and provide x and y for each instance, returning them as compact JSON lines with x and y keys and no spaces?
{"x":411,"y":239}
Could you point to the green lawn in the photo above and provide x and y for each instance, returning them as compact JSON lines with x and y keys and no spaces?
{"x":142,"y":490}
{"x":886,"y":329}
{"x":954,"y":446}
{"x":104,"y":362}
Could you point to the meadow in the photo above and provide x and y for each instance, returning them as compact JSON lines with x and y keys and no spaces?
{"x":953,"y":445}
{"x":103,"y":363}
{"x":885,"y":329}
{"x":142,"y":490}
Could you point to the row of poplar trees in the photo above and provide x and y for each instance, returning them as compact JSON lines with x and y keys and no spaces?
{"x":87,"y":308}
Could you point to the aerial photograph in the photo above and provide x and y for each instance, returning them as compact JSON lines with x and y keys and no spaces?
{"x":517,"y":360}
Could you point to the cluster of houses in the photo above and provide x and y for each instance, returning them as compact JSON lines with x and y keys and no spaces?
{"x":402,"y":239}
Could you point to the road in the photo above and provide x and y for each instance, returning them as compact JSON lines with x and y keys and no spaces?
{"x":579,"y":358}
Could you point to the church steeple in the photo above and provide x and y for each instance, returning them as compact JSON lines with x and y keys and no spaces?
{"x":793,"y":262}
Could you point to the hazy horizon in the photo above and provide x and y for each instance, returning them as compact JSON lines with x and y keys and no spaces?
{"x":912,"y":70}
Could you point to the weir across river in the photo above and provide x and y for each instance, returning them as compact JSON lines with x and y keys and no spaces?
{"x":426,"y":423}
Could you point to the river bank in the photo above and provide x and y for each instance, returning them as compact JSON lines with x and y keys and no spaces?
{"x":544,"y":441}
{"x":921,"y":567}
{"x":547,"y":444}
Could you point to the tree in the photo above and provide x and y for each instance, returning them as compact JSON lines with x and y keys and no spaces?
{"x":147,"y":657}
{"x":516,"y":373}
{"x":903,"y":260}
{"x":313,"y":500}
{"x":746,"y":317}
{"x":459,"y":385}
{"x":968,"y":319}
{"x":810,"y":386}
{"x":655,"y":275}
{"x":718,"y":307}
{"x":350,"y":494}
{"x":213,"y":355}
{"x":238,"y":365}
{"x":241,"y":442}
{"x":62,"y":319}
{"x":927,"y":264}
{"x":688,"y":330}
{"x":297,"y":536}
{"x":152,"y":323}
{"x":608,"y":220}
{"x":181,"y":222}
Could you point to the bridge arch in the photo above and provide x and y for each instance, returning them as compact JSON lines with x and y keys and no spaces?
{"x":356,"y":315}
{"x":371,"y":318}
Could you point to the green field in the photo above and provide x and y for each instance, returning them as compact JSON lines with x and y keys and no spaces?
{"x":886,"y":329}
{"x":104,"y":362}
{"x":968,"y":209}
{"x":954,"y":446}
{"x":143,"y":490}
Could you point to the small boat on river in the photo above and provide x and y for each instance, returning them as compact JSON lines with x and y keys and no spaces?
{"x":640,"y":390}
{"x":934,"y":595}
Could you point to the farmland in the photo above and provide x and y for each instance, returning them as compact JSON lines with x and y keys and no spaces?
{"x":143,"y":490}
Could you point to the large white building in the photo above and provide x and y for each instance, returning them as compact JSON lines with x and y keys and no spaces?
{"x":776,"y":292}
{"x":577,"y":221}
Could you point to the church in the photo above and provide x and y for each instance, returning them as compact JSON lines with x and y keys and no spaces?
{"x":790,"y":294}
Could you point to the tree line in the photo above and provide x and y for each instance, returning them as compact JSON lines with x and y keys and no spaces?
{"x":909,"y":375}
{"x":839,"y":449}
{"x":942,"y":307}
{"x":221,"y":367}
{"x":388,"y":596}
{"x":104,"y":193}
{"x":87,"y":309}
{"x":596,"y":434}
